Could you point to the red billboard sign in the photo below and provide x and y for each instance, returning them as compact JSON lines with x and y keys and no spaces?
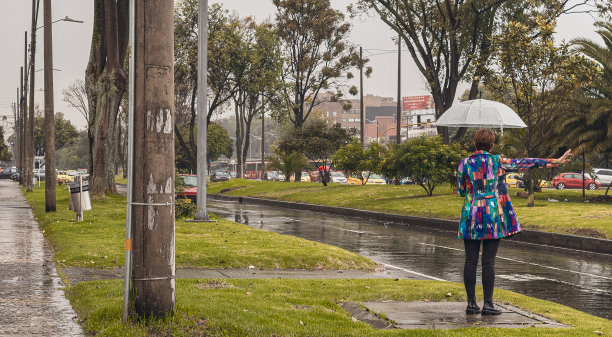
{"x":417,"y":102}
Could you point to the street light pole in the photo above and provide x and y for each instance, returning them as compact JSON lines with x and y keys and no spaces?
{"x":50,"y":200}
{"x":29,"y":141}
{"x":202,"y":213}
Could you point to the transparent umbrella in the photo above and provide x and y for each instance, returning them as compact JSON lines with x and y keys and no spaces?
{"x":481,"y":113}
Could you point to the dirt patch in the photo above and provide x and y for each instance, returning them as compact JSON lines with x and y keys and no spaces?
{"x":589,"y":232}
{"x":602,"y":198}
{"x":231,"y":189}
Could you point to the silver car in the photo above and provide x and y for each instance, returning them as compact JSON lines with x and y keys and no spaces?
{"x":337,"y":177}
{"x":604,"y":176}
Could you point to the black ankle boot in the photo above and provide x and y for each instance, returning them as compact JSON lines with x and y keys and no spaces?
{"x":489,"y":309}
{"x":472,"y":307}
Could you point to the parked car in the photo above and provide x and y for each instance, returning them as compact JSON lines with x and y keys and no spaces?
{"x":514,"y":180}
{"x":305,"y":177}
{"x":63,"y":177}
{"x":337,"y":177}
{"x":189,"y":185}
{"x":604,"y":176}
{"x":274,"y":176}
{"x":372,"y":179}
{"x":6,"y":172}
{"x":219,"y":176}
{"x":574,"y":180}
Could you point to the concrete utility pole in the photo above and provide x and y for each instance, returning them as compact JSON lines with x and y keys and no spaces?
{"x":29,"y":143}
{"x":398,"y":122}
{"x":202,"y":213}
{"x":361,"y":112}
{"x":153,"y":161}
{"x":23,"y":106}
{"x":50,"y":202}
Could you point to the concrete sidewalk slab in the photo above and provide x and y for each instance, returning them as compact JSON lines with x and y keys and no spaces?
{"x":32,"y":300}
{"x":451,"y":315}
{"x":76,"y":274}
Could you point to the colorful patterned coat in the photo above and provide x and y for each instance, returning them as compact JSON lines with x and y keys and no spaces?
{"x":487,"y":211}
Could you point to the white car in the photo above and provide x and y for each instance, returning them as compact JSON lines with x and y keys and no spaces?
{"x":604,"y":176}
{"x":337,"y":177}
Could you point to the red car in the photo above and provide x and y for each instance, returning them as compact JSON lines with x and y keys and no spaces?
{"x":574,"y":180}
{"x":189,"y":183}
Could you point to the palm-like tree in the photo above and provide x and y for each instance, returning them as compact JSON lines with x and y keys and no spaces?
{"x":591,"y":127}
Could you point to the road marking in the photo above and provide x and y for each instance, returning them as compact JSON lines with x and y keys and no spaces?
{"x":530,"y":263}
{"x":413,"y":272}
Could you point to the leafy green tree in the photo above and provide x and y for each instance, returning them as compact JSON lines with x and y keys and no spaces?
{"x":65,"y":132}
{"x":543,"y":78}
{"x":353,"y":159}
{"x":317,"y":52}
{"x":218,"y":144}
{"x":223,"y":39}
{"x":5,"y":153}
{"x":426,"y":161}
{"x":75,"y":154}
{"x":348,"y":158}
{"x":288,"y":163}
{"x":450,"y":40}
{"x":318,"y":141}
{"x":588,"y":126}
{"x":257,"y":77}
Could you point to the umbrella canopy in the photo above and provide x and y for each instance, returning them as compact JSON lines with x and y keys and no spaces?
{"x":481,"y":113}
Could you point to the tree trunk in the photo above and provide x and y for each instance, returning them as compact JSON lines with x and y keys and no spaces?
{"x":238,"y":143}
{"x":583,"y":178}
{"x":531,"y":189}
{"x":106,"y":83}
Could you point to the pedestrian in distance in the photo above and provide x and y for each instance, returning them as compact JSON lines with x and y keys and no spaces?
{"x":487,"y":215}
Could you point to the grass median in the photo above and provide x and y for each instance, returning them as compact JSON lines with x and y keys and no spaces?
{"x":98,"y":241}
{"x":249,"y":307}
{"x":555,"y":211}
{"x":285,"y":307}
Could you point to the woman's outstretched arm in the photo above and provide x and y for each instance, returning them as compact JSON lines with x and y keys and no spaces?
{"x":523,"y":164}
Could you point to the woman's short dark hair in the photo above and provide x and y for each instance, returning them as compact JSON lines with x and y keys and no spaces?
{"x":484,"y":139}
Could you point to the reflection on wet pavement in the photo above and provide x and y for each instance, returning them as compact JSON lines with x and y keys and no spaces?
{"x":581,"y":281}
{"x":31,"y":298}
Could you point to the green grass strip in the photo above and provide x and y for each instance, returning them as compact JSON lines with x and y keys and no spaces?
{"x":98,"y":241}
{"x":287,"y":307}
{"x":574,"y":216}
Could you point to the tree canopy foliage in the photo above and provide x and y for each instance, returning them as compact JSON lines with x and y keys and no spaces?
{"x":538,"y":80}
{"x":5,"y":153}
{"x":65,"y":132}
{"x":428,"y":162}
{"x":450,"y":40}
{"x":317,"y":52}
{"x":317,"y":140}
{"x":353,"y":159}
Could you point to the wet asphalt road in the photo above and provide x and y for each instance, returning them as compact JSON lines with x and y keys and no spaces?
{"x":32,"y":301}
{"x":581,"y":281}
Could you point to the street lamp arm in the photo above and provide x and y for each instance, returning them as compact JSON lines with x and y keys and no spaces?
{"x":67,"y":19}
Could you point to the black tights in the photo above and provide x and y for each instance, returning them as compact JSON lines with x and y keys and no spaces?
{"x":489,"y":251}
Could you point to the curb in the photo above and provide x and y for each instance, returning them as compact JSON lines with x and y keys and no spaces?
{"x":593,"y":245}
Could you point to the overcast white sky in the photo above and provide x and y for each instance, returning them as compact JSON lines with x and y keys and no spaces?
{"x":71,"y":42}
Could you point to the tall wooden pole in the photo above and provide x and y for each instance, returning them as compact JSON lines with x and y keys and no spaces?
{"x":153,"y":159}
{"x":361,"y":109}
{"x":18,"y":132}
{"x":23,"y":106}
{"x":49,"y":111}
{"x":29,"y":141}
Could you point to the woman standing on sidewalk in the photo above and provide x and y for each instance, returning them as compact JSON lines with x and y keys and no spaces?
{"x":487,"y":214}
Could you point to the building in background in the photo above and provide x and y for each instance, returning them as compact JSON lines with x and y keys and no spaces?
{"x":381,"y":115}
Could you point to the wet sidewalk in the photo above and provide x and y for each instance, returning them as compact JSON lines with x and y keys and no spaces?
{"x":32,"y":301}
